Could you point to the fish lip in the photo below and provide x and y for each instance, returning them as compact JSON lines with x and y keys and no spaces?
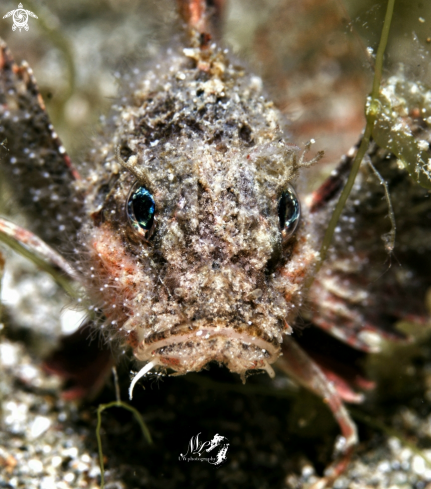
{"x":190,"y":351}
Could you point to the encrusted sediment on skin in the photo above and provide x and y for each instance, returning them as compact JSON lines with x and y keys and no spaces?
{"x":198,"y":133}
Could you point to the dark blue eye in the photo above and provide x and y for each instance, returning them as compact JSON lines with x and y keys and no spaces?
{"x":141,"y":209}
{"x":289,"y":212}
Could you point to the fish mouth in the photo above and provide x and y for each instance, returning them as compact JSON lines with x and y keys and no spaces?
{"x":189,"y":348}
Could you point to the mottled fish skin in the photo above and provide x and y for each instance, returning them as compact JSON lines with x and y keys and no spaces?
{"x":216,"y":280}
{"x":33,"y":161}
{"x":362,"y":291}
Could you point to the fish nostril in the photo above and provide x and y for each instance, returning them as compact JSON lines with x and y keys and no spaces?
{"x":274,"y":260}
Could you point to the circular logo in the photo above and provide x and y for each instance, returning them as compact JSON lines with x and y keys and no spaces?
{"x":20,"y":19}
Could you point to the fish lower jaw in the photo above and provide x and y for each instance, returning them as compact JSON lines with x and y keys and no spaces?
{"x":191,"y":351}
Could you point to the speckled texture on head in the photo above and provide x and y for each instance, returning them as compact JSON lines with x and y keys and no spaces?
{"x":215,"y":281}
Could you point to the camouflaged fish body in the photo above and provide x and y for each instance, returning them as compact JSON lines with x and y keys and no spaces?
{"x":215,"y":280}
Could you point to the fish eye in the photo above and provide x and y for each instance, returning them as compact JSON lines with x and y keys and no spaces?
{"x":289,"y":212}
{"x":141,"y":209}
